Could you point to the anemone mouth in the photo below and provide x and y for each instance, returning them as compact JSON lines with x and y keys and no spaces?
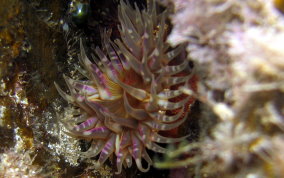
{"x":132,"y":90}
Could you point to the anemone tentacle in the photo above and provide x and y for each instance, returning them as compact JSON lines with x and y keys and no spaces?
{"x":131,"y":90}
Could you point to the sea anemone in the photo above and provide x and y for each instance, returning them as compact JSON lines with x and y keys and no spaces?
{"x":131,"y":91}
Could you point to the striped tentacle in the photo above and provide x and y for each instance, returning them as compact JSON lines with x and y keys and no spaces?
{"x":86,"y":125}
{"x":128,"y":158}
{"x":154,"y":60}
{"x":98,"y":109}
{"x":137,"y":93}
{"x":138,"y":114}
{"x":125,"y":140}
{"x":137,"y":153}
{"x":168,"y":94}
{"x":108,"y":105}
{"x":106,"y":151}
{"x":145,"y":70}
{"x":114,"y":58}
{"x":146,"y":157}
{"x":152,"y":104}
{"x":129,"y":26}
{"x":113,"y":126}
{"x":64,"y":95}
{"x":155,"y":147}
{"x":170,"y":81}
{"x":96,"y":74}
{"x":161,"y":116}
{"x":126,"y":122}
{"x":161,"y":139}
{"x":163,"y":126}
{"x":95,"y":149}
{"x":79,"y":99}
{"x":173,"y":53}
{"x":97,"y":132}
{"x":131,"y":59}
{"x":171,"y":70}
{"x":81,"y":87}
{"x":120,"y":157}
{"x":120,"y":55}
{"x":168,"y":105}
{"x":143,"y":133}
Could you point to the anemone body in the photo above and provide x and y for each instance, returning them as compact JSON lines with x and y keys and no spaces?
{"x":131,"y":91}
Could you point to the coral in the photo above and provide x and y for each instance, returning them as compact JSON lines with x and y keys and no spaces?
{"x":18,"y":164}
{"x":208,"y":33}
{"x":131,"y":91}
{"x":238,"y":54}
